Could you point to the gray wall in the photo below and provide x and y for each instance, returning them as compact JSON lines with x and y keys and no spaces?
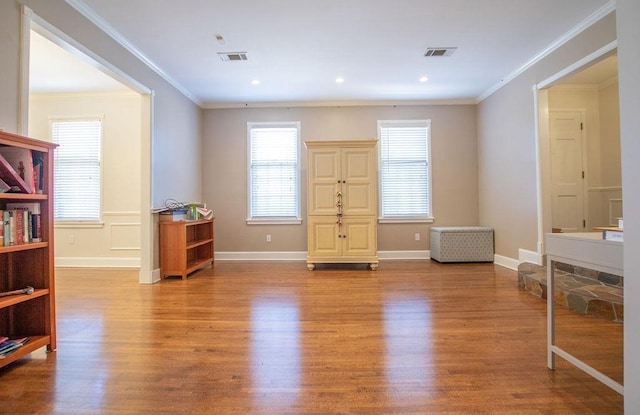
{"x":454,"y":169}
{"x":629,"y":67}
{"x":9,"y":65}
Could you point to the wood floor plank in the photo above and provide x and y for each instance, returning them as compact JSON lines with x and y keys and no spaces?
{"x":414,"y":337}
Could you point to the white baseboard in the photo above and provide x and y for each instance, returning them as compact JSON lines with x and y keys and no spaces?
{"x":525,"y":255}
{"x":382,"y":255}
{"x":156,"y":276}
{"x":261,"y":256}
{"x":302,"y":255}
{"x":506,"y":262}
{"x":97,"y":262}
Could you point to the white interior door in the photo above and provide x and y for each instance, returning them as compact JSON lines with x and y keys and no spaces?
{"x":567,"y":170}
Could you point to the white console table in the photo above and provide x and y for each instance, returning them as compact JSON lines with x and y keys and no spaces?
{"x":587,"y":250}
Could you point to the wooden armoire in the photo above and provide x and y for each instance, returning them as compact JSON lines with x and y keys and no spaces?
{"x":342,"y":202}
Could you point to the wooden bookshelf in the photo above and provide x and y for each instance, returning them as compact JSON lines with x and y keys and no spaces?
{"x":185,"y":246}
{"x":30,"y":263}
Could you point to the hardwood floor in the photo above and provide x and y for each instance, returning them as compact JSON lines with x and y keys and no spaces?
{"x":414,"y":337}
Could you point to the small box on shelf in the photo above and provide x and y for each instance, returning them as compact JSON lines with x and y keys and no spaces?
{"x":173,"y":215}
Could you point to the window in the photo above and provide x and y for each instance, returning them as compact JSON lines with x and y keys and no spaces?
{"x":405,"y":170}
{"x":273,"y":172}
{"x":77,"y":169}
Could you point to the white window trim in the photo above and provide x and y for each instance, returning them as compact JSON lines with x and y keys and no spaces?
{"x":78,"y":225}
{"x":407,"y":219}
{"x":98,"y":223}
{"x":275,"y":220}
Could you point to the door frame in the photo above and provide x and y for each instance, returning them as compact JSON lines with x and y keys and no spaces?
{"x":30,"y":21}
{"x":541,"y":133}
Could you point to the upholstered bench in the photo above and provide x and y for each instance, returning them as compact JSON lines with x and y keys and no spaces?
{"x":462,"y":244}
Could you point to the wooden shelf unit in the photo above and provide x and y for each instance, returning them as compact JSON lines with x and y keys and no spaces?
{"x":29,"y":264}
{"x":185,"y":246}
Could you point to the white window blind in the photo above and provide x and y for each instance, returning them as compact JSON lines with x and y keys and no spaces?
{"x":273,"y":171}
{"x":77,"y":169}
{"x":405,"y":183}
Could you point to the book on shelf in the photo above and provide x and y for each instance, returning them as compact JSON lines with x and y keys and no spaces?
{"x":6,"y":225}
{"x":10,"y":345}
{"x":21,"y":223}
{"x":38,"y":171}
{"x":16,"y":168}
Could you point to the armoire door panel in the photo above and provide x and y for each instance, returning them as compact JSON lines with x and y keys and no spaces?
{"x":323,"y":200}
{"x":324,"y":183}
{"x":357,"y":164}
{"x":323,"y":237}
{"x":358,"y":199}
{"x":359,"y":178}
{"x":325,"y":166}
{"x":359,"y":237}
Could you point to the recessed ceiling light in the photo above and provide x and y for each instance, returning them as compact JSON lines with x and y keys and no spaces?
{"x":255,"y":82}
{"x":424,"y":79}
{"x":339,"y":80}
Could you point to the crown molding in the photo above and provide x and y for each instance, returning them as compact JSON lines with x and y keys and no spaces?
{"x":102,"y":24}
{"x":575,"y":31}
{"x":338,"y":104}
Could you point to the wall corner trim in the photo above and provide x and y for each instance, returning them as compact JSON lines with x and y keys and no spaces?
{"x":533,"y":257}
{"x":506,"y":262}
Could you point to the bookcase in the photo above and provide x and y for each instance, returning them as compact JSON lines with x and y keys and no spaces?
{"x":26,"y":261}
{"x":185,"y":246}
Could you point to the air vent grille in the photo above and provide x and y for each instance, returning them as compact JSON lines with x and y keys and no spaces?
{"x":433,"y":52}
{"x":233,"y":56}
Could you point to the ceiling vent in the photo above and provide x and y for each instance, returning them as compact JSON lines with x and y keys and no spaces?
{"x":233,"y":56}
{"x":439,"y":52}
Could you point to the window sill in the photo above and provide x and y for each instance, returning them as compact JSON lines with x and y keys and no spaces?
{"x":274,"y":221}
{"x":78,"y":225}
{"x":407,"y":220}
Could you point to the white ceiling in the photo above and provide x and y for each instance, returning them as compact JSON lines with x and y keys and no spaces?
{"x":297,"y":48}
{"x":52,"y":69}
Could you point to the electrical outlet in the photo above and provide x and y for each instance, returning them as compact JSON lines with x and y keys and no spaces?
{"x":268,"y":238}
{"x":72,"y":239}
{"x":417,"y":236}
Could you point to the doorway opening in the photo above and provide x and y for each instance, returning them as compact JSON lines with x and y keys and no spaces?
{"x":64,"y":80}
{"x":579,"y":169}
